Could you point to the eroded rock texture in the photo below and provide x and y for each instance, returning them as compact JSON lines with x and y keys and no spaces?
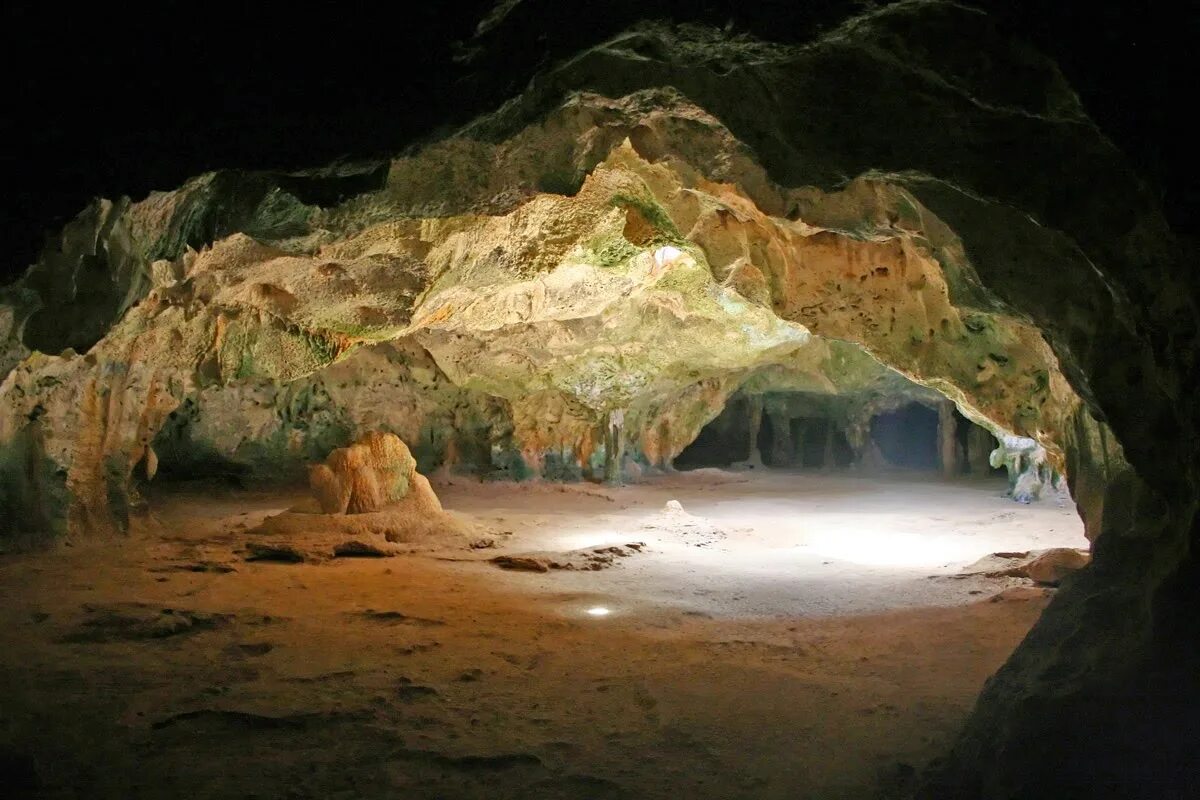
{"x":374,"y":472}
{"x":609,"y":322}
{"x":579,"y":281}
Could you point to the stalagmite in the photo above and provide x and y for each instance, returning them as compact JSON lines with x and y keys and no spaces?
{"x":1027,"y":466}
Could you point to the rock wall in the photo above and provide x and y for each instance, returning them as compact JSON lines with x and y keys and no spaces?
{"x":256,"y":430}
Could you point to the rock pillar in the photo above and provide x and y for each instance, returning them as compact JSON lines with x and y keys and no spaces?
{"x":858,"y":435}
{"x":754,"y":459}
{"x":827,"y":455}
{"x":783,"y":451}
{"x":947,"y":439}
{"x":980,"y":444}
{"x":614,"y":446}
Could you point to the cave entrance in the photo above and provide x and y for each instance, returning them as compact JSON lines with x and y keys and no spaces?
{"x":726,"y":439}
{"x":811,"y":431}
{"x":808,"y":442}
{"x":907,"y":437}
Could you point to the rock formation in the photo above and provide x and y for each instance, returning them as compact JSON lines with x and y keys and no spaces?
{"x":368,"y":498}
{"x":584,"y":277}
{"x":572,"y":309}
{"x":375,"y":472}
{"x":1053,"y":565}
{"x":1045,"y":567}
{"x":1025,"y":461}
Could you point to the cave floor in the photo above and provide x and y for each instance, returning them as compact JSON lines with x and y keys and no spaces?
{"x":802,"y":636}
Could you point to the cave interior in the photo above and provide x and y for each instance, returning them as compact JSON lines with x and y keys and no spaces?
{"x":718,"y":415}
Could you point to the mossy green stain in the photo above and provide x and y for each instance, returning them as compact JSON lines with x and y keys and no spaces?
{"x":611,"y":252}
{"x":324,"y":350}
{"x":653,"y":212}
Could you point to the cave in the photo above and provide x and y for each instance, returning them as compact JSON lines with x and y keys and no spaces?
{"x":725,"y":440}
{"x":758,"y":405}
{"x":908,"y":436}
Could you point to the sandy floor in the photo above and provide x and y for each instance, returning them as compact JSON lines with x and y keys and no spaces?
{"x":798,"y":636}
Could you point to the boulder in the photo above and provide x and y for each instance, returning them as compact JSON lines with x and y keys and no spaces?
{"x":1044,"y":567}
{"x":1052,"y":566}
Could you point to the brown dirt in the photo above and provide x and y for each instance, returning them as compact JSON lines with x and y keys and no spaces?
{"x":165,"y":667}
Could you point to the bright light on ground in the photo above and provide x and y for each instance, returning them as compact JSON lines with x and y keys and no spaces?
{"x":891,"y":548}
{"x":599,"y":611}
{"x":592,"y":538}
{"x":767,"y":542}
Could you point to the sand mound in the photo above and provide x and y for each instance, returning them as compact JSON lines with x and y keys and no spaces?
{"x":673,"y":521}
{"x":302,"y":535}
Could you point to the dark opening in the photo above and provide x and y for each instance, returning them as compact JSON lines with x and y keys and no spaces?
{"x":766,"y":441}
{"x":808,"y":442}
{"x":812,"y":449}
{"x":708,"y":450}
{"x":962,"y":440}
{"x":908,"y":436}
{"x":723,"y":441}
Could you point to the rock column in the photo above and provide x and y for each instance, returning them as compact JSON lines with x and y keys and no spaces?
{"x":783,"y":451}
{"x":614,"y":446}
{"x":947,"y":439}
{"x":827,"y":455}
{"x":980,"y":444}
{"x":754,"y":459}
{"x":858,"y":435}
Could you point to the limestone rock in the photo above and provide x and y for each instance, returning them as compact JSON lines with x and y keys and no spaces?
{"x":302,"y":534}
{"x":620,"y":301}
{"x":368,"y":498}
{"x":1019,"y":594}
{"x":1046,"y":567}
{"x":522,"y":563}
{"x":1052,"y":566}
{"x":376,"y":471}
{"x":588,"y":559}
{"x":365,"y":548}
{"x":1029,"y":470}
{"x":369,"y":501}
